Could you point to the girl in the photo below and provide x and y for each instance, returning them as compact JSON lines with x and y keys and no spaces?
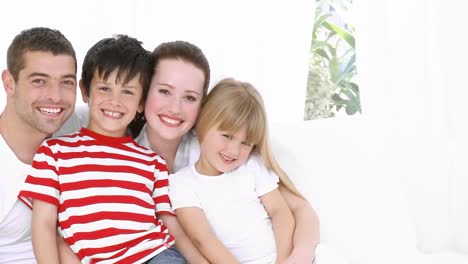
{"x":228,"y":201}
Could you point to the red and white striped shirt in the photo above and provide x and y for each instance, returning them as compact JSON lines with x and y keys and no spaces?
{"x":108,"y":192}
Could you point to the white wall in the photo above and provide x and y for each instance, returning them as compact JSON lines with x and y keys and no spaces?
{"x":263,"y":42}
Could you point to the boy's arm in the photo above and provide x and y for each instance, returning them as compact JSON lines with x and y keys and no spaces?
{"x":44,"y":229}
{"x":194,"y":222}
{"x":66,"y":255}
{"x":283,"y":223}
{"x":183,"y":242}
{"x":307,"y":229}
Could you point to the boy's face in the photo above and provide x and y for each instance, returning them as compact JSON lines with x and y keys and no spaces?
{"x":222,"y":151}
{"x":112,"y":105}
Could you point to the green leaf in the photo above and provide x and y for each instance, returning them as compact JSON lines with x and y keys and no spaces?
{"x":343,"y":78}
{"x":319,"y":19}
{"x":354,"y":87}
{"x":322,"y":53}
{"x":341,"y":32}
{"x":351,"y":109}
{"x":332,"y":50}
{"x":334,"y":69}
{"x":350,"y":66}
{"x":351,"y":96}
{"x":336,"y":98}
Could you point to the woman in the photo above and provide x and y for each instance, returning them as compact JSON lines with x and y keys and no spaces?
{"x":179,"y":85}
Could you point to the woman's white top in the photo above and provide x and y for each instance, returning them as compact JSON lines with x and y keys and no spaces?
{"x":187,"y":152}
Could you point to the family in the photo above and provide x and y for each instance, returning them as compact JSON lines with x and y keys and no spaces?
{"x":157,"y":170}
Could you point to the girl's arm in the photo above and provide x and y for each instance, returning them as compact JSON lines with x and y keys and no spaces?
{"x":307,"y":229}
{"x":283,"y":223}
{"x":194,"y":222}
{"x":44,"y":229}
{"x":183,"y":242}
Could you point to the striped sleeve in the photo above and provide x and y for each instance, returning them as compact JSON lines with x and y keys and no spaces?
{"x":42,"y":181}
{"x":161,"y":189}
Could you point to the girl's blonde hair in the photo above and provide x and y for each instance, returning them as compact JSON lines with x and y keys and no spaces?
{"x":231,"y":105}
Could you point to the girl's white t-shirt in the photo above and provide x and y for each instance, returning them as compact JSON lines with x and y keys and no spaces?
{"x":231,"y":203}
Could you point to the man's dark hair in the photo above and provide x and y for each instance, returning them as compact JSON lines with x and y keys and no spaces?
{"x":36,"y":39}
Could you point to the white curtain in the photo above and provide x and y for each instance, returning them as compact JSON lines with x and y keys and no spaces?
{"x":412,"y":64}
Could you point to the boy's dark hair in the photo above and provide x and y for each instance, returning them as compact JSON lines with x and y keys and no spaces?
{"x":187,"y":52}
{"x":121,"y":53}
{"x":36,"y":39}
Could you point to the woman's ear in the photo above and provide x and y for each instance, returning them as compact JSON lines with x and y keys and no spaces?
{"x":84,"y":94}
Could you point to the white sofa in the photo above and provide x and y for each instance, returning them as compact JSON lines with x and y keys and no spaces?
{"x":369,"y":187}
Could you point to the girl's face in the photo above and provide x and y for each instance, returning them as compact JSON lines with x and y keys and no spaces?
{"x":174,"y":98}
{"x":222,"y":151}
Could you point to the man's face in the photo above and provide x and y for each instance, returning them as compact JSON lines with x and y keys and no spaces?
{"x":45,"y":92}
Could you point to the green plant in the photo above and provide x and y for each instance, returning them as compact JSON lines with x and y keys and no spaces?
{"x":332,"y":65}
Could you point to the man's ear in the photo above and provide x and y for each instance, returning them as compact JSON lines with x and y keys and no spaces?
{"x":8,"y":82}
{"x":84,"y":94}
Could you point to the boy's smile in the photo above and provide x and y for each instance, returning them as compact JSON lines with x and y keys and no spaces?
{"x":112,"y":104}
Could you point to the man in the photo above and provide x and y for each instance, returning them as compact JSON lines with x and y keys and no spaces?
{"x":40,"y":86}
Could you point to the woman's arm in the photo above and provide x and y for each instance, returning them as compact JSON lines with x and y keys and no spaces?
{"x":283,"y":223}
{"x":194,"y":222}
{"x":44,"y":229}
{"x":307,"y":229}
{"x":183,"y":242}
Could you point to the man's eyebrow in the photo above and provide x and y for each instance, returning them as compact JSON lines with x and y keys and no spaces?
{"x":73,"y":76}
{"x":40,"y":74}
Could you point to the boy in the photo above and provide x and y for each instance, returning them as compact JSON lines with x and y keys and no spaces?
{"x":104,"y":189}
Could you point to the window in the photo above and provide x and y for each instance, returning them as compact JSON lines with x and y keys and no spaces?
{"x":331,"y":90}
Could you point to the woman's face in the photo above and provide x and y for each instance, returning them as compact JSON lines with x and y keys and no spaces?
{"x":174,"y":98}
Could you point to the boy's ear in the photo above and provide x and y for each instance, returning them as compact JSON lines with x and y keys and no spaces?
{"x":8,"y":82}
{"x":84,"y":94}
{"x":141,"y":107}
